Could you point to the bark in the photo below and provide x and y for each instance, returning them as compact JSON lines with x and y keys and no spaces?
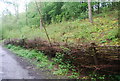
{"x":16,"y":7}
{"x":26,"y":12}
{"x":90,"y":11}
{"x":17,"y":12}
{"x":41,"y":24}
{"x":98,"y":8}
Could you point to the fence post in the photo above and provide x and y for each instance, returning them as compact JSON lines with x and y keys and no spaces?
{"x":93,"y":46}
{"x":23,"y":41}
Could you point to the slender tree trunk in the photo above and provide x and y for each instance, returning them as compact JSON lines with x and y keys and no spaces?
{"x":17,"y":12}
{"x":90,"y":11}
{"x":1,"y":24}
{"x":41,"y":24}
{"x":26,"y":12}
{"x":98,"y":8}
{"x":16,"y":7}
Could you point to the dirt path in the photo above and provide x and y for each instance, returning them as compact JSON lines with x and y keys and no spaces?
{"x":10,"y":68}
{"x":13,"y":67}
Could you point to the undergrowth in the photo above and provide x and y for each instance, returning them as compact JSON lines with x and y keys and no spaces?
{"x":104,"y":30}
{"x":58,"y":65}
{"x":41,"y":61}
{"x":38,"y":57}
{"x":64,"y":68}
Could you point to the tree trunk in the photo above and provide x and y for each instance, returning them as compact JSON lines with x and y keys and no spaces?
{"x":98,"y":8}
{"x":90,"y":11}
{"x":41,"y":24}
{"x":16,"y":8}
{"x":17,"y":12}
{"x":26,"y":12}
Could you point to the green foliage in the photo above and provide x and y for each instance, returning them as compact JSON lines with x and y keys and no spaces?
{"x":9,"y":46}
{"x":103,"y":41}
{"x":95,"y":77}
{"x":59,"y":58}
{"x":69,"y":24}
{"x":104,"y":30}
{"x":74,"y":75}
{"x":61,"y":72}
{"x":64,"y":66}
{"x":65,"y":49}
{"x":41,"y":59}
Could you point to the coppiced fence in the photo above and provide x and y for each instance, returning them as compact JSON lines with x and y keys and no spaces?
{"x":99,"y":58}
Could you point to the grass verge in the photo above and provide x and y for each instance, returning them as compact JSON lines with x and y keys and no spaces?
{"x":56,"y":66}
{"x":41,"y":61}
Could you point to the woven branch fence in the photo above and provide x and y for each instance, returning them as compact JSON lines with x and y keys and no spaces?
{"x":99,"y":58}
